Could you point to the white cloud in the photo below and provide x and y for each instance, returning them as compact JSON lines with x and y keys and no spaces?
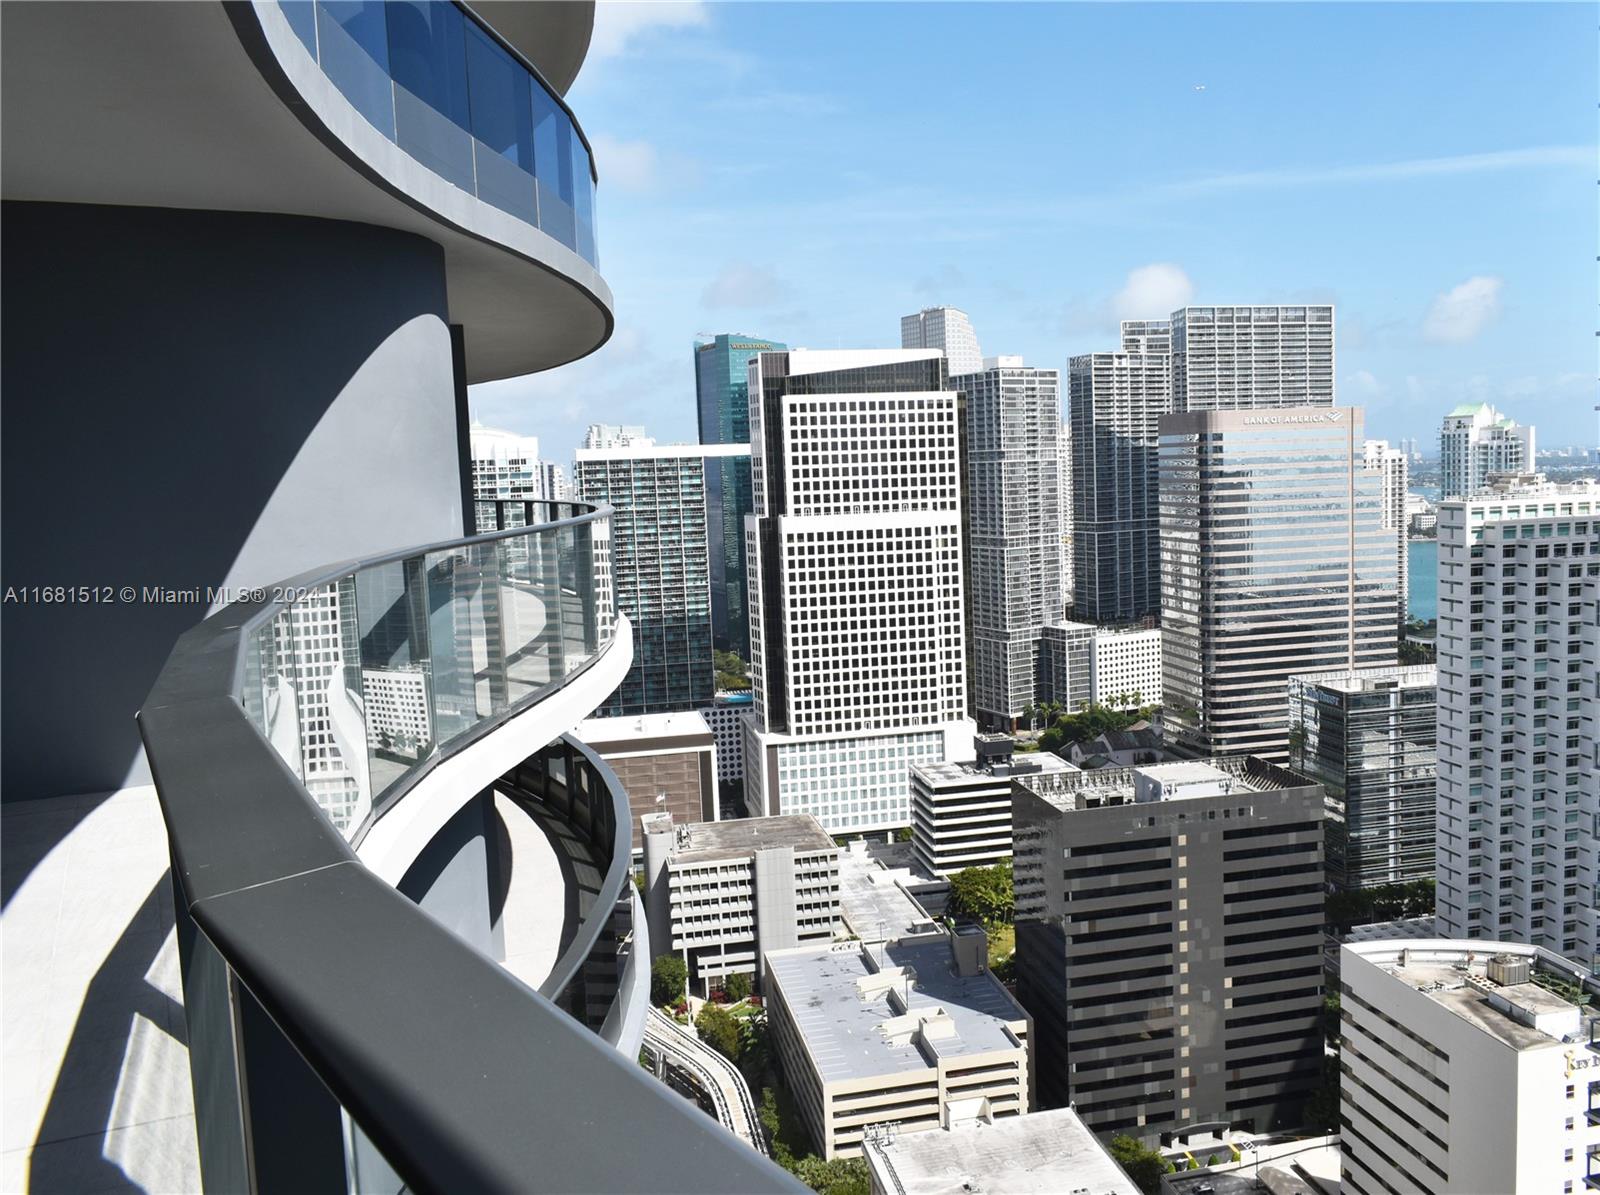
{"x":630,"y":165}
{"x":743,"y":284}
{"x":617,"y":24}
{"x":1511,"y":159}
{"x":1463,"y":311}
{"x":1363,"y":382}
{"x":1152,"y":292}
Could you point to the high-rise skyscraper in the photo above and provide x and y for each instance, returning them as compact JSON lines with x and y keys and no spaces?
{"x":722,"y":404}
{"x":507,"y":465}
{"x":1476,"y":442}
{"x":1274,"y":561}
{"x":1251,"y":358}
{"x":1116,"y":401}
{"x":1064,"y":499}
{"x":1368,"y":736}
{"x":1391,"y":464}
{"x":659,"y":562}
{"x":1013,"y":548}
{"x":1519,"y":698}
{"x":946,"y":328}
{"x":858,"y":653}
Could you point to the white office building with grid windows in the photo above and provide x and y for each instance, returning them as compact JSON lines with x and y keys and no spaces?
{"x":854,"y":553}
{"x":946,"y":328}
{"x":1519,"y":700}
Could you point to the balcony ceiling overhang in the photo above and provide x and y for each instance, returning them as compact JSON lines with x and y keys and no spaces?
{"x":551,"y":34}
{"x":161,"y":105}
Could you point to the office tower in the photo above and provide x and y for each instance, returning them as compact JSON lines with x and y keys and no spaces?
{"x":1251,"y":358}
{"x":725,"y":716}
{"x":1116,"y":401}
{"x":1082,"y":664}
{"x":1169,"y":942}
{"x":1519,"y":695}
{"x":857,"y":638}
{"x":723,"y":895}
{"x":667,"y":763}
{"x":946,"y":328}
{"x":1064,"y":498}
{"x":1368,"y":737}
{"x":1013,"y":545}
{"x":1475,"y":443}
{"x":1274,"y":561}
{"x":961,"y":812}
{"x":254,"y":255}
{"x":659,"y":560}
{"x":722,"y":393}
{"x":1464,"y":1071}
{"x":1391,"y":464}
{"x":887,"y":1035}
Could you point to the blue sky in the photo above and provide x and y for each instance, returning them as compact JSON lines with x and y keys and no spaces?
{"x":811,"y":172}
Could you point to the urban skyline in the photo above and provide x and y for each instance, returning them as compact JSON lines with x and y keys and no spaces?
{"x":1444,"y":240}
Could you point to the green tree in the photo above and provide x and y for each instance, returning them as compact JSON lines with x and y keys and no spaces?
{"x":903,"y":834}
{"x":841,"y":1176}
{"x":737,"y":986}
{"x":669,"y":977}
{"x":719,"y":1029}
{"x":1330,"y":1018}
{"x":1090,"y":722}
{"x":1322,"y":1106}
{"x":1145,"y":1166}
{"x":731,"y":672}
{"x":984,"y":893}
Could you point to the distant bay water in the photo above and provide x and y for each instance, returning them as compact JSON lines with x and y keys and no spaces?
{"x":1422,"y":579}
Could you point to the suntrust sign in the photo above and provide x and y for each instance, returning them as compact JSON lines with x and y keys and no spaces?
{"x":1319,"y":417}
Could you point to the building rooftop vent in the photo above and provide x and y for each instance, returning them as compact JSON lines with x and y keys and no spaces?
{"x":1507,"y":969}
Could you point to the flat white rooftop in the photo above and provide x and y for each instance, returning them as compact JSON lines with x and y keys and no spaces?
{"x":1029,"y":763}
{"x":743,"y":837}
{"x":684,"y":724}
{"x":1366,"y":680}
{"x":1042,"y":1153}
{"x":844,"y":1030}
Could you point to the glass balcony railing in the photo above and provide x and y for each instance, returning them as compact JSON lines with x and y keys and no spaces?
{"x":358,"y":681}
{"x":343,"y":1037}
{"x":432,"y":78}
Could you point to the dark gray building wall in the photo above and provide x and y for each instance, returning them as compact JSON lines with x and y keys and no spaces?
{"x":1170,"y":954}
{"x":197,"y":399}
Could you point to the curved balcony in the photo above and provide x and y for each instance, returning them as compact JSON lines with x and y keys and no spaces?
{"x":434,"y":79}
{"x":312,"y":746}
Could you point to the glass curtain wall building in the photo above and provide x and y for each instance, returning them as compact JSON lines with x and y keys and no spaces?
{"x":722,"y":397}
{"x":1274,"y":561}
{"x":1370,"y":738}
{"x":659,"y":555}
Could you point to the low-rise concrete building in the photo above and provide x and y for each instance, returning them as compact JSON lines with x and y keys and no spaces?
{"x":1043,"y":1153}
{"x":666,"y":762}
{"x":961,"y":812}
{"x":1464,"y":1072}
{"x":898,"y":1034}
{"x":723,"y":893}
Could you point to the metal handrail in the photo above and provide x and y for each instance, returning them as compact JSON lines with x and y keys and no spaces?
{"x":434,"y":1050}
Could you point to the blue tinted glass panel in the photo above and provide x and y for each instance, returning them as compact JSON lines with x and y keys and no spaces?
{"x":583,"y":198}
{"x":302,"y":18}
{"x":552,"y":160}
{"x":502,"y":127}
{"x":355,"y":55}
{"x":428,"y":60}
